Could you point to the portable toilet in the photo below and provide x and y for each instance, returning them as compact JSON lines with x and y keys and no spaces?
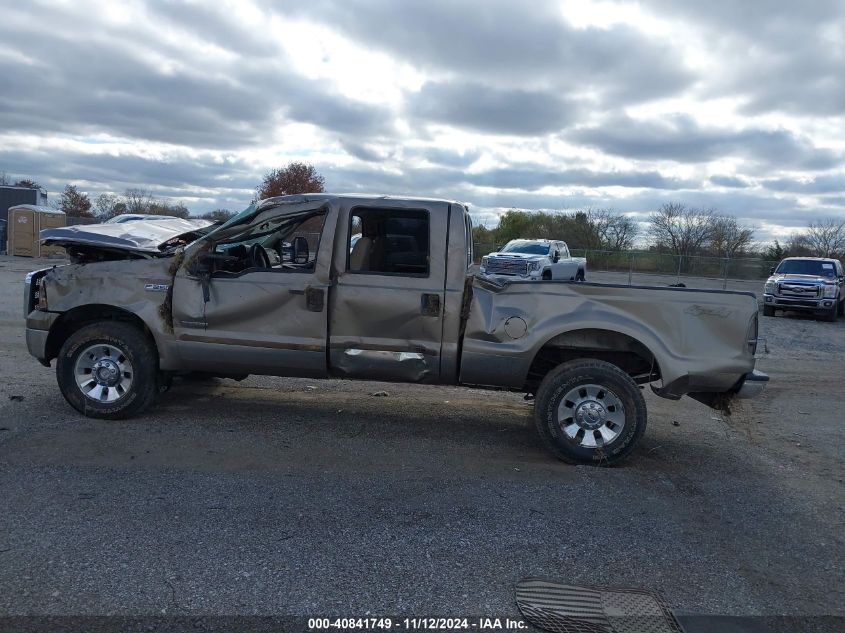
{"x":25,"y":223}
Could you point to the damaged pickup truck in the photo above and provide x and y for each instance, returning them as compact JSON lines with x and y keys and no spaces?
{"x":279,"y":290}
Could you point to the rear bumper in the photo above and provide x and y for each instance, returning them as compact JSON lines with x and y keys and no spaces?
{"x":784,"y":303}
{"x":752,"y":385}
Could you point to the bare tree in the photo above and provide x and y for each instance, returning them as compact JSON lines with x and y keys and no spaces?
{"x":729,"y":238}
{"x":826,"y":237}
{"x":166,"y":207}
{"x":137,"y":200}
{"x":615,"y":231}
{"x":107,"y":206}
{"x":680,"y":229}
{"x":75,"y":203}
{"x":218,"y":215}
{"x":296,"y":177}
{"x":29,"y":183}
{"x":4,"y":179}
{"x":798,"y":246}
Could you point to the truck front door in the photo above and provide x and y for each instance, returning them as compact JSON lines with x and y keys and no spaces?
{"x":386,"y":306}
{"x":263,"y":309}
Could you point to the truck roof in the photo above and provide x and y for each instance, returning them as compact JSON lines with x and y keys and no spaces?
{"x":308,"y":197}
{"x":817,"y":259}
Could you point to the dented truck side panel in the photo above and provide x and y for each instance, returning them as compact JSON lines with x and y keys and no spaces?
{"x":697,"y":338}
{"x":138,"y":287}
{"x":262,"y":321}
{"x":388,"y":326}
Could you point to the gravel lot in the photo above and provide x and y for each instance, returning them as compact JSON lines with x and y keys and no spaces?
{"x":293,"y":497}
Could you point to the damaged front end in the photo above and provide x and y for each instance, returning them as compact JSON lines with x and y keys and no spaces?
{"x":142,"y":239}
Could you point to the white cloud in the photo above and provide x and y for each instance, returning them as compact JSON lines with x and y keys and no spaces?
{"x":593,"y":102}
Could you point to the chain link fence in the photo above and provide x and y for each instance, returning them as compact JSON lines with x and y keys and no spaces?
{"x":634,"y":263}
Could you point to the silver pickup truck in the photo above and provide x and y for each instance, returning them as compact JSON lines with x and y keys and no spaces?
{"x":278,"y":290}
{"x":810,"y":284}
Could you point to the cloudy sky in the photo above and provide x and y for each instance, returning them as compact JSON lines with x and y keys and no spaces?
{"x":732,"y":104}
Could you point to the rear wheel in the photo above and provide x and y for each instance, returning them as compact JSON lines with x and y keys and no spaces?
{"x":589,"y":412}
{"x":108,"y":370}
{"x":580,"y":275}
{"x":768,"y":311}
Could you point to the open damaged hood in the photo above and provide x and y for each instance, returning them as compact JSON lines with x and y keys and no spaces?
{"x":143,"y":236}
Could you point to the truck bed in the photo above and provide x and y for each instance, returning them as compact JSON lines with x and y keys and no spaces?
{"x":698,"y":340}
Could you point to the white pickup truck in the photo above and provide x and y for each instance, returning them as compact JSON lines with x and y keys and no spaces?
{"x":535,"y":259}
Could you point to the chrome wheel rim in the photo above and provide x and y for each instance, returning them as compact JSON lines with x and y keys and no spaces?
{"x":591,"y":416}
{"x":103,"y":373}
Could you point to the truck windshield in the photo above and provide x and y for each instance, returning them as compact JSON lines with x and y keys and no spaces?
{"x":529,"y":248}
{"x":806,"y":267}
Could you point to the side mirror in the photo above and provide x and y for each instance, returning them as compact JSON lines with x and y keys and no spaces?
{"x":772,"y":270}
{"x":300,"y":250}
{"x":203,"y":265}
{"x":556,"y":258}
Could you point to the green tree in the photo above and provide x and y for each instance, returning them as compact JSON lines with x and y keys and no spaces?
{"x":776,"y":251}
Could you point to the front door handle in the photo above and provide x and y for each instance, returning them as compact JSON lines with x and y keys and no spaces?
{"x":430,"y":304}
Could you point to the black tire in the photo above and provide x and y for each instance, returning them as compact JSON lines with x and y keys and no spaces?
{"x":547,"y":275}
{"x":580,"y":276}
{"x":577,"y":374}
{"x":841,"y":305}
{"x":831,"y":315}
{"x":139,"y":354}
{"x":768,"y":311}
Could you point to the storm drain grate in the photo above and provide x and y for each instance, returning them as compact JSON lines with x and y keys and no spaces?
{"x":572,"y":609}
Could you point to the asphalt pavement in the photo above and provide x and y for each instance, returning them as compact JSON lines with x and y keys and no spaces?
{"x":294,"y":497}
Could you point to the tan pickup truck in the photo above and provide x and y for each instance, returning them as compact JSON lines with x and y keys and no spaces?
{"x":279,"y":290}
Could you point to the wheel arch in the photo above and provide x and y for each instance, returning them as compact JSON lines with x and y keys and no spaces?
{"x":618,"y":348}
{"x":80,"y":316}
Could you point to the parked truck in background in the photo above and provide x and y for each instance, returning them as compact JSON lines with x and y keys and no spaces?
{"x":810,"y":284}
{"x":534,"y":260}
{"x":401,"y":305}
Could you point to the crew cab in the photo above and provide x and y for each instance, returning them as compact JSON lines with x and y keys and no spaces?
{"x":534,"y":259}
{"x":277,"y":290}
{"x":814,"y":284}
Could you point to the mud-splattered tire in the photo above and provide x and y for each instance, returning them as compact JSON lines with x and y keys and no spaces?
{"x":768,"y":311}
{"x":589,"y":412}
{"x":108,"y":370}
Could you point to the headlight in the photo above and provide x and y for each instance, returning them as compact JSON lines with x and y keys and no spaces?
{"x":829,"y":291}
{"x":770,"y":287}
{"x":533,"y":266}
{"x":483,"y":263}
{"x":41,"y":295}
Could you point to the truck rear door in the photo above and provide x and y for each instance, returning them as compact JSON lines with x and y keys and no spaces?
{"x":386,"y":305}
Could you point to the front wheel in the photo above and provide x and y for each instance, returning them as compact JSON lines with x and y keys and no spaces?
{"x":768,"y":311}
{"x":108,"y":370}
{"x":831,"y":315}
{"x":589,"y":412}
{"x":580,"y":275}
